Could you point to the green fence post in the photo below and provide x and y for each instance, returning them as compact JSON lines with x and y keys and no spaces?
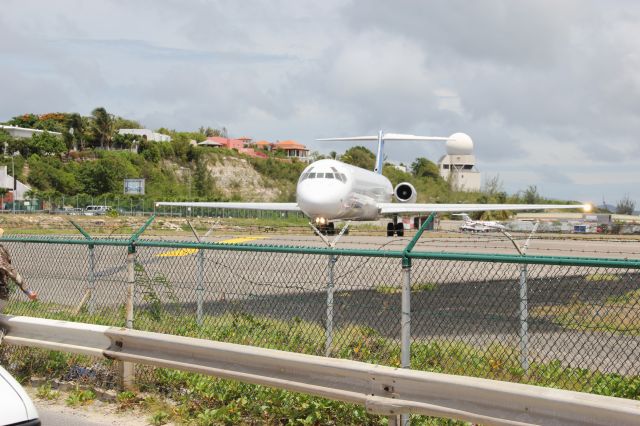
{"x":200,"y":278}
{"x":88,"y":296}
{"x":405,"y":333}
{"x":329,"y":325}
{"x":524,"y":320}
{"x":128,"y":368}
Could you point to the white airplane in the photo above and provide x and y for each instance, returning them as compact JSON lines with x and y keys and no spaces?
{"x":471,"y":225}
{"x":330,"y":190}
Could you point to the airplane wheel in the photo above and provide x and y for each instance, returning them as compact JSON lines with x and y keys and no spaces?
{"x":331,"y":230}
{"x":400,"y":230}
{"x":390,"y":229}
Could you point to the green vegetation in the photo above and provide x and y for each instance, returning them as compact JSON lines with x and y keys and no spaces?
{"x":80,"y":397}
{"x":45,"y":392}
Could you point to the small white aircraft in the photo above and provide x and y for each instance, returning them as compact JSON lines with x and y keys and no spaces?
{"x":330,"y":190}
{"x":471,"y":225}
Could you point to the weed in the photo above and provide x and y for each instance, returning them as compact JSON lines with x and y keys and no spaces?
{"x":45,"y":392}
{"x":159,"y":418}
{"x":80,"y":397}
{"x":387,"y":289}
{"x":424,"y":287}
{"x":127,"y":400}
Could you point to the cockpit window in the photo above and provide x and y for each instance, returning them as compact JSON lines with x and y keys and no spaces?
{"x":339,"y":176}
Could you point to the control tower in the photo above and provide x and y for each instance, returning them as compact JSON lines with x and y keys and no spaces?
{"x":459,"y":165}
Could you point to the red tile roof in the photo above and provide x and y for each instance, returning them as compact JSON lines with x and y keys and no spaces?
{"x":290,"y":145}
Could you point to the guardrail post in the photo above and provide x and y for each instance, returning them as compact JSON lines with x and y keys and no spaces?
{"x":329,"y":325}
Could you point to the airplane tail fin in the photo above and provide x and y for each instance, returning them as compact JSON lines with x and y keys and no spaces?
{"x":381,"y":137}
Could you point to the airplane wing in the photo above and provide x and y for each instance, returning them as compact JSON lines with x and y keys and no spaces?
{"x":410,"y":208}
{"x":289,"y":207}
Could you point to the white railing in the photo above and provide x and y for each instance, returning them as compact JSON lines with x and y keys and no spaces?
{"x":382,"y":390}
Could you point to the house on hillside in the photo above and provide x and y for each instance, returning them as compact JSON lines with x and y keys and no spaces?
{"x":246,"y":141}
{"x":263,"y":145}
{"x":6,"y":183}
{"x":293,"y":149}
{"x":22,"y":132}
{"x":219,"y":141}
{"x":239,"y":144}
{"x":149,"y":135}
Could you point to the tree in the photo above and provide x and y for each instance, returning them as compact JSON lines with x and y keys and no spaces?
{"x":360,"y":156}
{"x":493,"y":185}
{"x":46,"y":143}
{"x":531,"y":195}
{"x":422,"y":167}
{"x":103,"y":126}
{"x":202,"y":180}
{"x":626,"y":205}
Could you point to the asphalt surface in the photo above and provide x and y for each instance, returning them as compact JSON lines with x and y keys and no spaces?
{"x":477,"y":303}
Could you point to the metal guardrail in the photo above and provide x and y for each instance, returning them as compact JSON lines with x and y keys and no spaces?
{"x":382,"y":390}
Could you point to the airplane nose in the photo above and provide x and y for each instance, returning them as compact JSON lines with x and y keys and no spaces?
{"x":320,"y":198}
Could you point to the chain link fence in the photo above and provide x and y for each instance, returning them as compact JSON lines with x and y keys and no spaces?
{"x":562,"y":322}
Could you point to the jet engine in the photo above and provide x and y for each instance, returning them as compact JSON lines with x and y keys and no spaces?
{"x":405,"y":193}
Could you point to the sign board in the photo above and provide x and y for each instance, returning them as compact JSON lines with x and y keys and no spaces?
{"x":134,"y":186}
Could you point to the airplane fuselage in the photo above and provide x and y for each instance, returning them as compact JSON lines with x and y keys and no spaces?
{"x":332,"y":190}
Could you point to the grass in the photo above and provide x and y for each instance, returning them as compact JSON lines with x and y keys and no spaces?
{"x":617,"y":314}
{"x":602,"y":278}
{"x":200,"y":399}
{"x":418,"y":287}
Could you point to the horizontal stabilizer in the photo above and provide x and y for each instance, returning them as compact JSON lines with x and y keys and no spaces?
{"x":388,"y":137}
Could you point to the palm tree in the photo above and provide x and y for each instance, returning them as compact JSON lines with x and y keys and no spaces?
{"x":103,"y":126}
{"x":76,"y":123}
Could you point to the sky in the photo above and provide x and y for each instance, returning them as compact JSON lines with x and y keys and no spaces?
{"x":549,"y":91}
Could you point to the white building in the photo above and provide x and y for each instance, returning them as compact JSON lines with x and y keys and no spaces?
{"x":21,"y":132}
{"x":147,"y":134}
{"x":459,"y":165}
{"x":6,"y":181}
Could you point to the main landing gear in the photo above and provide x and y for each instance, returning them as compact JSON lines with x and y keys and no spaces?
{"x":395,"y":227}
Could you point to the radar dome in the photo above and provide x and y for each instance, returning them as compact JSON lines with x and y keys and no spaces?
{"x":459,"y":144}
